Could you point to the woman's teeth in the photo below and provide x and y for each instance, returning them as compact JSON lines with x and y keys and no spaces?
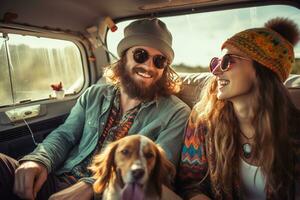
{"x":223,"y":82}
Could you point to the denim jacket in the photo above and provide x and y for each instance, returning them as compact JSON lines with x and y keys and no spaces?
{"x":163,"y":120}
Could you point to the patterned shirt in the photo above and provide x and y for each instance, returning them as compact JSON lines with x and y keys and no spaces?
{"x":117,"y":126}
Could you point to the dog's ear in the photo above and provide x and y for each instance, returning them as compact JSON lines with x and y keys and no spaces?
{"x":103,"y":167}
{"x":164,"y":171}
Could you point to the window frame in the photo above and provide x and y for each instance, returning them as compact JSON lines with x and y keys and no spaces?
{"x":36,"y":32}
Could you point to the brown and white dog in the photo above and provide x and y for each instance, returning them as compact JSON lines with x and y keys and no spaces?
{"x":133,"y":167}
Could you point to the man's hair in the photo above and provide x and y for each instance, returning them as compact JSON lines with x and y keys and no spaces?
{"x":274,"y":121}
{"x":170,"y":82}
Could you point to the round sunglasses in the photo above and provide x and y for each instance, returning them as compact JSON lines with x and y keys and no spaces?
{"x":224,"y":62}
{"x":141,"y":55}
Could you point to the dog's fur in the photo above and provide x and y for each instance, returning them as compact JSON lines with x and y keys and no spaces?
{"x":132,"y":159}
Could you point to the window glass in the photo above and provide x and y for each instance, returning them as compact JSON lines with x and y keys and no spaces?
{"x":35,"y":64}
{"x":5,"y":94}
{"x":198,"y":37}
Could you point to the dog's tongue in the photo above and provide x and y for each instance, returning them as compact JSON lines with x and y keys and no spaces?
{"x":132,"y":191}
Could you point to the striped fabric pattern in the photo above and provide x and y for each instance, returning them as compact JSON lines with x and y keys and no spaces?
{"x":193,"y":156}
{"x":194,"y":163}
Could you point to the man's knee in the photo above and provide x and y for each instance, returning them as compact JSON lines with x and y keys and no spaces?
{"x":8,"y":165}
{"x":7,"y":175}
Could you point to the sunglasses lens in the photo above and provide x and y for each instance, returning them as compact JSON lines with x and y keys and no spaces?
{"x":160,"y":61}
{"x":214,"y":63}
{"x":225,"y":62}
{"x":140,"y":55}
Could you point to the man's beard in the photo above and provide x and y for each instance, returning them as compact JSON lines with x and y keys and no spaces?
{"x":136,"y":90}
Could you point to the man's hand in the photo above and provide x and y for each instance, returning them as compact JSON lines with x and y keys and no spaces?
{"x":29,"y":178}
{"x":80,"y":190}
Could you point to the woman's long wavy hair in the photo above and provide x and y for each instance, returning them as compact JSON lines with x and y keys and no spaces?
{"x":275,"y":119}
{"x":170,"y":82}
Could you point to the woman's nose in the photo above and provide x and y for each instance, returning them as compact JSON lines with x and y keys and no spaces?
{"x":217,"y":70}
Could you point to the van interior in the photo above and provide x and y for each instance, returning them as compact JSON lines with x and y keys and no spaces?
{"x":69,"y":43}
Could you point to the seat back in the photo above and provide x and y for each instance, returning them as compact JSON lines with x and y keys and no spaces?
{"x":192,"y":86}
{"x":293,"y":85}
{"x":194,"y":82}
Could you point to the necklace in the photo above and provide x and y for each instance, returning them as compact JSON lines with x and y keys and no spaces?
{"x":247,"y":150}
{"x":245,"y":136}
{"x":246,"y":147}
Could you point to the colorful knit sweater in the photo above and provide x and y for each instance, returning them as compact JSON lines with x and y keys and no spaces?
{"x":197,"y":162}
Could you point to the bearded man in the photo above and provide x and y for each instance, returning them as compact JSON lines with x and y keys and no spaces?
{"x":139,"y":100}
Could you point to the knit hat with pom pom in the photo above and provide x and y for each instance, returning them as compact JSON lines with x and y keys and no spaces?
{"x":271,"y":46}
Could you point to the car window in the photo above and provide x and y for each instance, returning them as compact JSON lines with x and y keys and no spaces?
{"x":30,"y":65}
{"x":198,"y":37}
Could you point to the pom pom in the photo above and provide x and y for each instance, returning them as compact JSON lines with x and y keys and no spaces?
{"x":286,"y":28}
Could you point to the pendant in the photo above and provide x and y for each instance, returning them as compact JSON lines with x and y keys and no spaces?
{"x":247,"y":150}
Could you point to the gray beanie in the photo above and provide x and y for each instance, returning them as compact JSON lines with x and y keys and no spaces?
{"x":147,"y":32}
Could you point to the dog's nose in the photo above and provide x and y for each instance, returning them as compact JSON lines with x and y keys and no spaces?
{"x":138,"y":173}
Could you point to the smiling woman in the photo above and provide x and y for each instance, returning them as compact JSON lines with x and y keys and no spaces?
{"x":241,"y":140}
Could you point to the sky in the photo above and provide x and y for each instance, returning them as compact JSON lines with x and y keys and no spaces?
{"x":198,"y":37}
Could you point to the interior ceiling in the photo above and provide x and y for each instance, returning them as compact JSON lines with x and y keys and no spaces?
{"x":77,"y":15}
